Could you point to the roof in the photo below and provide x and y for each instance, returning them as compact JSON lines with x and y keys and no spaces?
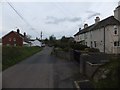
{"x":20,"y":35}
{"x":118,"y":7}
{"x":108,"y":21}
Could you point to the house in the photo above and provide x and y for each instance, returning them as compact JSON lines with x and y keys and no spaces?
{"x":36,"y":42}
{"x":104,"y":34}
{"x":14,"y":38}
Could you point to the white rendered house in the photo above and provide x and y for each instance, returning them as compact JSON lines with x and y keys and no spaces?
{"x":104,"y":34}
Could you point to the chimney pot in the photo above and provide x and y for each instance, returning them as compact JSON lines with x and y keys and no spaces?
{"x":24,"y":34}
{"x":79,"y":29}
{"x":97,"y":19}
{"x":85,"y":25}
{"x":18,"y":31}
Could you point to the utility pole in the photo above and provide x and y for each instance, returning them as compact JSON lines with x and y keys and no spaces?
{"x":41,"y":35}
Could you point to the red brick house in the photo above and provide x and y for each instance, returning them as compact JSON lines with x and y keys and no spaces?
{"x":14,"y":39}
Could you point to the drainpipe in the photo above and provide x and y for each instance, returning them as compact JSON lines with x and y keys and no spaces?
{"x":104,"y":40}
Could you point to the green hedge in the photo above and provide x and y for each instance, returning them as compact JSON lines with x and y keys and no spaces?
{"x":92,"y":50}
{"x":13,"y":55}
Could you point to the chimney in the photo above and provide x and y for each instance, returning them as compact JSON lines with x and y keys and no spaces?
{"x":79,"y":29}
{"x":85,"y":25}
{"x":18,"y":31}
{"x":119,"y":3}
{"x":24,"y":34}
{"x":117,"y":12}
{"x":97,"y":19}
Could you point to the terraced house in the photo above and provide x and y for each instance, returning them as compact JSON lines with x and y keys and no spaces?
{"x":104,"y":34}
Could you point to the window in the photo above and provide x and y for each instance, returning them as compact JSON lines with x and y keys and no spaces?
{"x":14,"y":39}
{"x":9,"y":39}
{"x":115,"y":30}
{"x":116,"y":43}
{"x":8,"y":45}
{"x":95,"y":43}
{"x":14,"y":44}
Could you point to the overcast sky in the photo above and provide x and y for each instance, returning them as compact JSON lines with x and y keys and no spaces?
{"x":55,"y":17}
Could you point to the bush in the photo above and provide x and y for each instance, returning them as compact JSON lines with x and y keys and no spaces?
{"x":77,"y":46}
{"x":92,"y":50}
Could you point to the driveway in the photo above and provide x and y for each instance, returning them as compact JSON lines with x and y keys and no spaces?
{"x":41,"y":70}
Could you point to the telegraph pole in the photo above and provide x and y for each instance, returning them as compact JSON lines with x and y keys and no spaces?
{"x":41,"y":35}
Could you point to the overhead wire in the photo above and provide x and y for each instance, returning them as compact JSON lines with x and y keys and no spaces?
{"x":31,"y":27}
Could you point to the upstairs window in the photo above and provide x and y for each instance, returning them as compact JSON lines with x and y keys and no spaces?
{"x":115,"y":30}
{"x":14,"y":39}
{"x":9,"y":39}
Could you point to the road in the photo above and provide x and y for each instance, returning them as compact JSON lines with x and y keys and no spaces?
{"x":41,"y":70}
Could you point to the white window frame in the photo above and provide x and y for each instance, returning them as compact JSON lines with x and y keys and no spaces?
{"x":14,"y":39}
{"x":9,"y":39}
{"x":115,"y":29}
{"x":117,"y":43}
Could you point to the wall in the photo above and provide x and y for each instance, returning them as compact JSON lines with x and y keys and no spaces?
{"x":98,"y":37}
{"x":19,"y":40}
{"x":76,"y":38}
{"x":90,"y":62}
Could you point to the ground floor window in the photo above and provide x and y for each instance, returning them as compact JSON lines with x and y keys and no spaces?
{"x":117,"y":43}
{"x":95,"y":43}
{"x":7,"y":44}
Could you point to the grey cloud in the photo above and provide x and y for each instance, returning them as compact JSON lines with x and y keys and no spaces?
{"x":55,"y":20}
{"x":93,"y":13}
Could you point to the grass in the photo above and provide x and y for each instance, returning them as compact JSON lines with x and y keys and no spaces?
{"x":13,"y":55}
{"x":112,"y":76}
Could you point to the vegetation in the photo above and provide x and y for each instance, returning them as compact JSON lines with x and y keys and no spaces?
{"x":66,"y":44}
{"x":13,"y":55}
{"x":92,"y":50}
{"x":108,"y":75}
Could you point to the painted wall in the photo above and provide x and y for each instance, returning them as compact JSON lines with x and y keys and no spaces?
{"x":6,"y":40}
{"x":97,"y":37}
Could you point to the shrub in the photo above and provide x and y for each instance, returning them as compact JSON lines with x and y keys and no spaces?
{"x":92,"y":50}
{"x":77,"y":46}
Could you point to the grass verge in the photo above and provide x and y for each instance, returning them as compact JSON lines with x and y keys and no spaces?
{"x":13,"y":55}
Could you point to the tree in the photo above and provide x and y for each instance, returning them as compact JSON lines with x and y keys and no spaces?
{"x":52,"y":38}
{"x":46,"y":41}
{"x":64,"y":39}
{"x":28,"y":37}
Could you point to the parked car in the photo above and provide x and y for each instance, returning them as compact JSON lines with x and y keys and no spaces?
{"x":43,"y":45}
